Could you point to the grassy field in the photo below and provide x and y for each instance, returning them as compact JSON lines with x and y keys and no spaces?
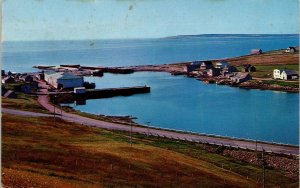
{"x":276,"y":57}
{"x":266,"y":71}
{"x":38,"y":153}
{"x":23,"y":102}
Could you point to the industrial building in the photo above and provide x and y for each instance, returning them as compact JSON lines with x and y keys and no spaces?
{"x":63,"y":80}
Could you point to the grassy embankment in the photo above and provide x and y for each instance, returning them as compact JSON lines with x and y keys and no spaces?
{"x":23,"y":102}
{"x":36,"y":152}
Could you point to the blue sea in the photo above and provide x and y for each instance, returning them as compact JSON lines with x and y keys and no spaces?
{"x":175,"y":102}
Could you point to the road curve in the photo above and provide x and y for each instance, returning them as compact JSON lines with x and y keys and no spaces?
{"x":244,"y":144}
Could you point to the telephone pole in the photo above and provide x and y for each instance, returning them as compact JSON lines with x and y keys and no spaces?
{"x":131,"y":135}
{"x":263,"y":168}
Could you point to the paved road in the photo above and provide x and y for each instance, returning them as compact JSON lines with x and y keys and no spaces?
{"x":290,"y":150}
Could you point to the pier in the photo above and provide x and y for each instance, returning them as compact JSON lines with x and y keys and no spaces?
{"x":100,"y":93}
{"x":114,"y":70}
{"x":112,"y":92}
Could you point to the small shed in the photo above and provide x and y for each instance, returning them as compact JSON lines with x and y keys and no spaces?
{"x":291,"y":50}
{"x":256,"y":51}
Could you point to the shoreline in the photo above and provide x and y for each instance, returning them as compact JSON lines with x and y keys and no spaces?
{"x":129,"y":122}
{"x":177,"y":69}
{"x":275,"y":58}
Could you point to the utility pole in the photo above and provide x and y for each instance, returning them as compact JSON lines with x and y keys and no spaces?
{"x":263,"y":167}
{"x":255,"y":145}
{"x":130,"y":135}
{"x":54,"y":109}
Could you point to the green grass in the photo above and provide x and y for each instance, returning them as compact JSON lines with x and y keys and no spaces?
{"x":23,"y":102}
{"x":267,"y":71}
{"x":281,"y":83}
{"x":63,"y":154}
{"x":111,"y":119}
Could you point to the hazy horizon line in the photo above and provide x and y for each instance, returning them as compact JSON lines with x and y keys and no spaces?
{"x":132,"y":38}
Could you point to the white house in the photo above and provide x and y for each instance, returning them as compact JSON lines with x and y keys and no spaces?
{"x":277,"y":74}
{"x":63,"y":80}
{"x":285,"y":74}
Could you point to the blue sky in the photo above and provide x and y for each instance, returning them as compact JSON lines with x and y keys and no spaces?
{"x":106,"y":19}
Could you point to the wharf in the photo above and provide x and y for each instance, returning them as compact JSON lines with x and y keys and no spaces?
{"x":111,"y":92}
{"x":115,"y":70}
{"x":101,"y":93}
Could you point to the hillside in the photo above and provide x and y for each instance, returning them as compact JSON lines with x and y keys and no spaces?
{"x":40,"y":152}
{"x":275,"y":57}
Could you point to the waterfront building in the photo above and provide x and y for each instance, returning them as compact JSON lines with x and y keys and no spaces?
{"x":256,"y":51}
{"x":63,"y":80}
{"x":190,"y":67}
{"x":285,"y":74}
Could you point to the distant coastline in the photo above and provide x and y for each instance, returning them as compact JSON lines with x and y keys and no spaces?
{"x":229,"y":35}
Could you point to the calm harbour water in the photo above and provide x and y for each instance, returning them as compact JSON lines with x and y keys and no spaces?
{"x":175,"y":102}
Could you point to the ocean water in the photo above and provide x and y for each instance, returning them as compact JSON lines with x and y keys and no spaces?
{"x":21,"y":56}
{"x":175,"y":102}
{"x":183,"y":103}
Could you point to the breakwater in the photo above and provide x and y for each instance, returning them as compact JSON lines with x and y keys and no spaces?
{"x":66,"y":97}
{"x":111,"y":92}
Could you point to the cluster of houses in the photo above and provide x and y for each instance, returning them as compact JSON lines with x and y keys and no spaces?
{"x":221,"y":69}
{"x":27,"y":83}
